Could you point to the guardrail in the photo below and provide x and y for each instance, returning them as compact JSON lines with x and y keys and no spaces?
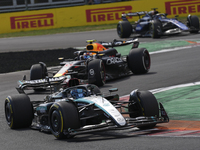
{"x":22,"y":5}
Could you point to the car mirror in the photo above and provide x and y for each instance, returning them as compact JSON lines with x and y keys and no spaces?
{"x":61,"y":58}
{"x":113,"y":90}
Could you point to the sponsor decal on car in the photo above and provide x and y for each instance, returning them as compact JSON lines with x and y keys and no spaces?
{"x":45,"y":80}
{"x":138,"y":28}
{"x":113,"y":60}
{"x":41,"y":109}
{"x":91,"y":72}
{"x":182,"y":7}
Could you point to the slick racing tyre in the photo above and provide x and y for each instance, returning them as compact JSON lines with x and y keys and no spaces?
{"x":139,"y":60}
{"x":96,"y":72}
{"x":18,"y":111}
{"x":193,"y":23}
{"x":38,"y":71}
{"x":156,"y":29}
{"x":62,"y":117}
{"x":124,"y":29}
{"x":147,"y":106}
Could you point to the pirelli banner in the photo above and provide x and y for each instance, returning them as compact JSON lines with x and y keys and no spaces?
{"x":91,"y":14}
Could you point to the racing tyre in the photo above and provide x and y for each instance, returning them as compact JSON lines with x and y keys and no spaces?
{"x":18,"y":111}
{"x":156,"y":29}
{"x":193,"y":23}
{"x":124,"y":29}
{"x":38,"y":71}
{"x":96,"y":72}
{"x":62,"y":117}
{"x":148,"y":107}
{"x":139,"y":60}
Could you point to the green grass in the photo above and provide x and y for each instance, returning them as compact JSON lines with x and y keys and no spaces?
{"x":66,"y":30}
{"x":58,"y":30}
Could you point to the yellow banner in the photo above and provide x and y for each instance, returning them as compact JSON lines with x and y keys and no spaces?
{"x":91,"y":14}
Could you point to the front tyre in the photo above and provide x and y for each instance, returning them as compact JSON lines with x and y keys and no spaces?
{"x":144,"y":105}
{"x":96,"y":72}
{"x":124,"y":29}
{"x":62,"y":117}
{"x":18,"y":111}
{"x":38,"y":71}
{"x":139,"y":60}
{"x":149,"y":106}
{"x":156,"y":29}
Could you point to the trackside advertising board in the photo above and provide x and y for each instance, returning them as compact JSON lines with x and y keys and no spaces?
{"x":92,"y":14}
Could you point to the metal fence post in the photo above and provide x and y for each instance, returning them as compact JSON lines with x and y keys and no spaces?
{"x":26,"y":4}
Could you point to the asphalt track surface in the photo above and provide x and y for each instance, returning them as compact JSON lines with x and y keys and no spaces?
{"x":171,"y":68}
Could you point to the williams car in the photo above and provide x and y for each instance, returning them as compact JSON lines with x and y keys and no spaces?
{"x":154,"y":24}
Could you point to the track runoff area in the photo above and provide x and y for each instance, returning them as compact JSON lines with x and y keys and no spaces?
{"x":184,"y":120}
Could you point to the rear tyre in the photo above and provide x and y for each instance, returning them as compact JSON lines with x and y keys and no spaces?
{"x":18,"y":111}
{"x":124,"y":29}
{"x":139,"y":60}
{"x":156,"y":29}
{"x":63,"y":116}
{"x":96,"y":72}
{"x":193,"y":23}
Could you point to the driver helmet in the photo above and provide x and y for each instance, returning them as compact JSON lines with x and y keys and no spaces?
{"x":77,"y":93}
{"x":153,"y":12}
{"x":87,"y":55}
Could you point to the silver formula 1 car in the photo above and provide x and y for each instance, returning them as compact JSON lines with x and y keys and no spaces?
{"x":83,"y":109}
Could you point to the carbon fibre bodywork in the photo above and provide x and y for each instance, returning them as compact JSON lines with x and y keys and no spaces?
{"x":153,"y":22}
{"x":98,"y":62}
{"x":84,"y":109}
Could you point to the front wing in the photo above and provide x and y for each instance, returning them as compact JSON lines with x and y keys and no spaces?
{"x":130,"y":123}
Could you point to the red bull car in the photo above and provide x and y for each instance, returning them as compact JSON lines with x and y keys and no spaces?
{"x":98,"y":62}
{"x":83,"y":109}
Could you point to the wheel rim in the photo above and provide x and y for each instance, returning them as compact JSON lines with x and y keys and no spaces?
{"x":55,"y":121}
{"x":103,"y":73}
{"x":119,"y":30}
{"x":159,"y":30}
{"x":147,"y":61}
{"x":8,"y":112}
{"x":151,"y":30}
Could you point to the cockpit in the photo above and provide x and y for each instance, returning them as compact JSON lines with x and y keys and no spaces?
{"x":77,"y":92}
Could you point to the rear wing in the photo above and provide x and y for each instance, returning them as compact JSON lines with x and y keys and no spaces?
{"x":117,"y":43}
{"x":140,"y":13}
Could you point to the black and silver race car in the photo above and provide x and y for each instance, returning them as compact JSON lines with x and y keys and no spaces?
{"x":98,"y":62}
{"x":83,"y":109}
{"x":154,"y":24}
